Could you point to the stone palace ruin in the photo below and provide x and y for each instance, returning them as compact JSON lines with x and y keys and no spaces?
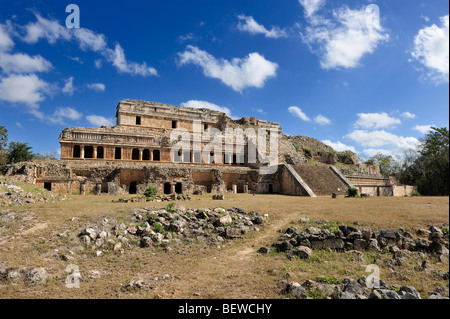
{"x":143,"y":150}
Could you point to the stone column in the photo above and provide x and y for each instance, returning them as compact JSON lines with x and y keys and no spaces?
{"x":246,"y":188}
{"x":82,"y":189}
{"x":82,"y":152}
{"x":95,"y":153}
{"x":140,"y":154}
{"x":151,"y":155}
{"x":172,"y":188}
{"x":98,"y":189}
{"x":234,"y":189}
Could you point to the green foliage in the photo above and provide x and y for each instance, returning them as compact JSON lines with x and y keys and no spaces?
{"x":328,"y":280}
{"x":297,"y":149}
{"x":445,"y":231}
{"x":19,"y":152}
{"x":307,"y":152}
{"x":388,"y":164}
{"x":151,"y":192}
{"x":3,"y":137}
{"x":3,"y":160}
{"x":79,"y":174}
{"x":428,"y":168}
{"x":169,"y":207}
{"x":316,"y":294}
{"x":353,"y":192}
{"x":158,"y":228}
{"x":415,"y":194}
{"x":47,"y":156}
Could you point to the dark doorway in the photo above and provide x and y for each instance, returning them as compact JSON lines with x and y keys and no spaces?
{"x":156,"y":155}
{"x":133,"y":188}
{"x":167,"y":188}
{"x":138,"y":120}
{"x":146,"y":155}
{"x":179,"y":188}
{"x":118,"y":153}
{"x":211,"y":158}
{"x":234,"y":159}
{"x":48,"y":186}
{"x":270,"y":189}
{"x":76,"y":151}
{"x":100,"y":152}
{"x":135,"y":155}
{"x":88,"y":152}
{"x":174,"y":124}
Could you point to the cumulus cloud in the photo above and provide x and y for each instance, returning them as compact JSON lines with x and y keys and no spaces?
{"x":338,"y":146}
{"x":88,"y":40}
{"x":431,"y":49}
{"x":248,"y":24}
{"x":68,"y":88}
{"x":27,"y":89}
{"x":23,"y":63}
{"x":63,"y":113}
{"x":424,"y":129}
{"x":98,"y":120}
{"x":322,"y":120}
{"x":97,"y":87}
{"x":376,"y":121}
{"x":296,"y":111}
{"x":383,"y":140}
{"x":6,"y":43}
{"x":251,"y":71}
{"x":344,"y":39}
{"x":206,"y":105}
{"x":408,"y":115}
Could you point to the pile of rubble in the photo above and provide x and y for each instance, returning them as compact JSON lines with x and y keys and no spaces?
{"x":172,"y":226}
{"x":29,"y":275}
{"x":346,"y":238}
{"x":157,"y":199}
{"x":350,"y":289}
{"x":11,"y":194}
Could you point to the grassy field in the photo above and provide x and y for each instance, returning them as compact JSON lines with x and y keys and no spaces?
{"x":235,"y":271}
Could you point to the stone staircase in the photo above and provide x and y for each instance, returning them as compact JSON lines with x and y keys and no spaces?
{"x":322,"y":180}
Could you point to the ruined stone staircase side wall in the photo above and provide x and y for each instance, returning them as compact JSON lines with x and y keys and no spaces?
{"x":322,"y":180}
{"x":292,"y":184}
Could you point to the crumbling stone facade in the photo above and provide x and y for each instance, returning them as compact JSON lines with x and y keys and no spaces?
{"x":187,"y":150}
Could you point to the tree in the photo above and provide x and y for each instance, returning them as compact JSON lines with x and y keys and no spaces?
{"x":46,"y":156}
{"x":3,"y":137}
{"x":19,"y":152}
{"x":387,"y":163}
{"x":428,"y":168}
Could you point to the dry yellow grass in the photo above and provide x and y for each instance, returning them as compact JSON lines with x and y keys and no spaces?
{"x":235,"y":271}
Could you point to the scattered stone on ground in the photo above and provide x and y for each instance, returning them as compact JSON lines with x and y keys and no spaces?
{"x":157,"y":199}
{"x":150,"y":228}
{"x":400,"y":243}
{"x":349,"y":289}
{"x":12,"y":194}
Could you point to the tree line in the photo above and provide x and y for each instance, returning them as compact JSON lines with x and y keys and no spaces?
{"x":15,"y":152}
{"x":427,"y":167}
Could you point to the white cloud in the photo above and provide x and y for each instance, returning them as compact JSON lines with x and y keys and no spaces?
{"x":5,"y":40}
{"x":431,"y":48}
{"x":52,"y":31}
{"x":63,"y":113}
{"x":68,"y":88}
{"x":311,"y":6}
{"x":424,"y":129}
{"x":97,"y":87}
{"x":23,"y":63}
{"x":251,"y":71}
{"x":206,"y":105}
{"x":248,"y":24}
{"x":339,"y":147}
{"x":261,"y":111}
{"x":97,"y":120}
{"x":98,"y":64}
{"x":322,"y":120}
{"x":408,"y":115}
{"x":117,"y":57}
{"x":296,"y":111}
{"x":397,"y":145}
{"x":27,"y":89}
{"x":343,"y":41}
{"x":375,"y":151}
{"x":376,"y":121}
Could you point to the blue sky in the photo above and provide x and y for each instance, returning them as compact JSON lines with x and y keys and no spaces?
{"x":370,"y":76}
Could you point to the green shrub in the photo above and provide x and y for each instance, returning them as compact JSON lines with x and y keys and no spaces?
{"x":158,"y":228}
{"x":169,"y":207}
{"x":415,"y":194}
{"x":445,"y":231}
{"x":79,"y":174}
{"x":353,"y":192}
{"x":151,"y":192}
